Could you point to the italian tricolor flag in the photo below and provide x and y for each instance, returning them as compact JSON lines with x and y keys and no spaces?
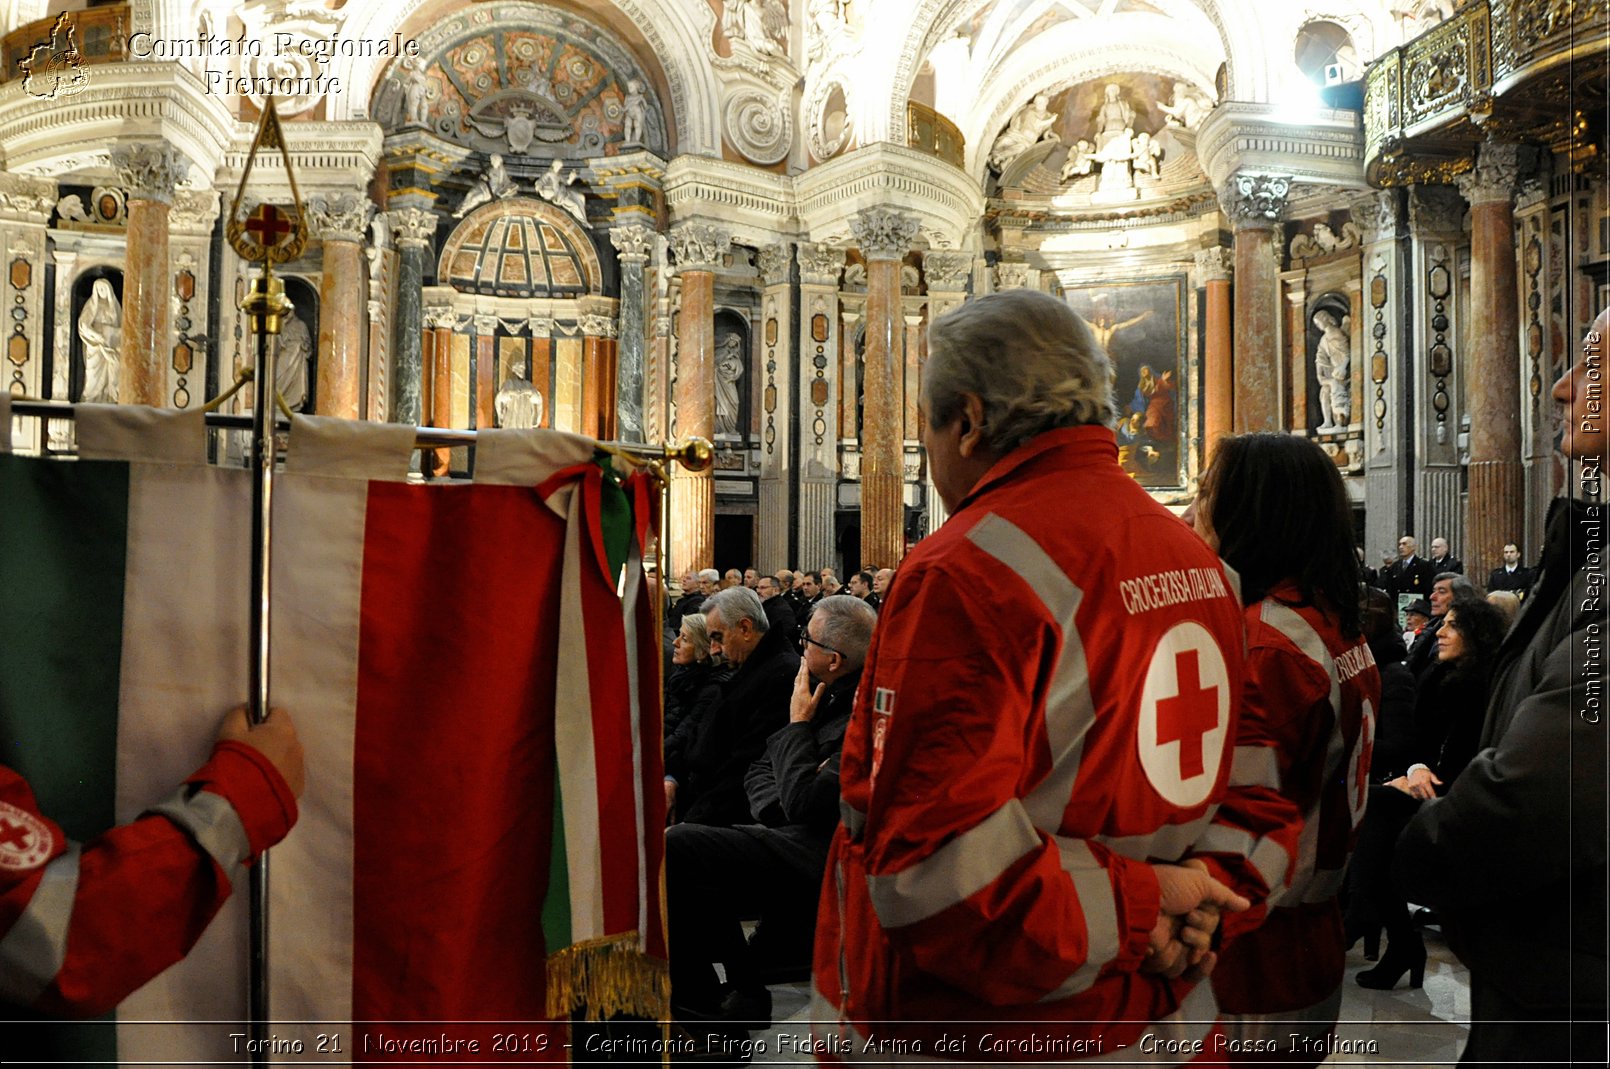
{"x":473,"y":669}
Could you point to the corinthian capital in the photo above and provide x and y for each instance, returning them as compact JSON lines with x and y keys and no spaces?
{"x":1255,"y":198}
{"x":773,"y":261}
{"x":342,"y":217}
{"x":700,"y":246}
{"x":1375,"y":214}
{"x":883,"y":234}
{"x":1215,"y":264}
{"x":1497,"y":174}
{"x":820,"y":265}
{"x":635,"y":244}
{"x":412,"y":226}
{"x":947,"y":272}
{"x":151,"y":170}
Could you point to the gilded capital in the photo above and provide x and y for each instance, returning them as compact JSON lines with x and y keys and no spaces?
{"x":700,"y":246}
{"x":150,"y":170}
{"x":883,"y":234}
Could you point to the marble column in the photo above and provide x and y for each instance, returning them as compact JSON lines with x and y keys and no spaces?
{"x":151,"y":171}
{"x":884,"y":237}
{"x":1439,"y":363}
{"x":946,"y":275}
{"x":1382,"y":322}
{"x":1497,"y":500}
{"x":1254,"y":204}
{"x":700,"y":248}
{"x":634,"y":244}
{"x":1213,"y":270}
{"x":413,"y":231}
{"x":775,"y":263}
{"x":340,"y":221}
{"x":599,"y":377}
{"x":821,"y":385}
{"x":484,"y":389}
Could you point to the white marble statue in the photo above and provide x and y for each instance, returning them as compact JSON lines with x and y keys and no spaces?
{"x":495,"y":184}
{"x":729,"y":369}
{"x":415,"y":92}
{"x":518,"y":404}
{"x":1148,"y":155}
{"x":636,"y":118}
{"x":1190,"y":106}
{"x":1028,"y":128}
{"x":757,"y":23}
{"x":100,"y":328}
{"x":1333,"y":368}
{"x":554,"y":186}
{"x":290,"y":363}
{"x":1081,"y":159}
{"x":1117,"y":159}
{"x":1115,"y":118}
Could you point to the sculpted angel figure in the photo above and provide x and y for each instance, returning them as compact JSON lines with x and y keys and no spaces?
{"x":758,"y":23}
{"x":635,"y":119}
{"x":100,"y":328}
{"x":1027,"y":128}
{"x":1190,"y":106}
{"x":493,"y":185}
{"x":556,"y":189}
{"x":1079,"y":161}
{"x":414,"y":99}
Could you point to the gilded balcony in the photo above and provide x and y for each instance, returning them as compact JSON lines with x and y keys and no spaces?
{"x":1507,"y":70}
{"x":930,"y":132}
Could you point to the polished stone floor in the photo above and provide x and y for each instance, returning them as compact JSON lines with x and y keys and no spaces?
{"x":1421,"y":1027}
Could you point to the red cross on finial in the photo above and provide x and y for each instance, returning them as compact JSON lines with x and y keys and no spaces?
{"x":13,"y":834}
{"x":268,"y":225}
{"x":1189,"y":715}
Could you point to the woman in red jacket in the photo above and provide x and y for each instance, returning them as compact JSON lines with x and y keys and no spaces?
{"x":1312,"y":681}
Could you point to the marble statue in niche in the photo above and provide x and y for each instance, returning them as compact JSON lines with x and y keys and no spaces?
{"x":291,"y":363}
{"x":729,"y":372}
{"x":415,"y":92}
{"x":1148,"y":155}
{"x":1081,"y":159}
{"x":1115,"y":118}
{"x":757,"y":23}
{"x":495,"y":184}
{"x":554,"y":186}
{"x":1333,"y":368}
{"x":635,"y":119}
{"x":1028,"y":128}
{"x":100,"y":328}
{"x":518,"y":404}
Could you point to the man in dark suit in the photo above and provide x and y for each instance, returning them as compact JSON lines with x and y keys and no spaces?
{"x":1409,"y":574}
{"x":1513,"y":575}
{"x":1442,"y":558}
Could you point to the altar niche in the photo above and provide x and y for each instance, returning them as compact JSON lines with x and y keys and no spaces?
{"x":95,"y":336}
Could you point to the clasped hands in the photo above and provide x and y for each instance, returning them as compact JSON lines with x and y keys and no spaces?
{"x":1189,"y":904}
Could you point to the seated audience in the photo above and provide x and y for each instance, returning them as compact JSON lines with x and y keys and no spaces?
{"x":694,"y":686}
{"x":689,"y":600}
{"x":1507,"y":602}
{"x":1444,"y":589}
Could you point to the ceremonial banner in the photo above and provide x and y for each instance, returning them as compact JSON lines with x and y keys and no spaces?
{"x":479,"y":840}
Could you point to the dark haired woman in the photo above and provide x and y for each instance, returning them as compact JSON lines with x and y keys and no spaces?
{"x":1312,"y":684}
{"x":1450,"y":705}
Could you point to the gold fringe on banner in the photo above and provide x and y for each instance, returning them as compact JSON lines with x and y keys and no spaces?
{"x":608,"y":976}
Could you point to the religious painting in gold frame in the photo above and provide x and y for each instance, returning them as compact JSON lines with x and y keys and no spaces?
{"x":1142,"y":322}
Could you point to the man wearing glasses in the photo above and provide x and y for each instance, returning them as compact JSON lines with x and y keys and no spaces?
{"x":718,"y":877}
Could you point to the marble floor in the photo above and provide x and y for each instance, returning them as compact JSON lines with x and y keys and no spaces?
{"x":1405,"y":1026}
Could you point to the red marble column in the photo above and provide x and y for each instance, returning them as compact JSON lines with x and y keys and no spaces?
{"x":151,"y":171}
{"x":340,"y":221}
{"x":1254,"y":203}
{"x":699,"y":249}
{"x":593,"y":386}
{"x":438,"y":356}
{"x":1218,"y":370}
{"x":1497,"y":499}
{"x":884,"y":237}
{"x":486,"y":379}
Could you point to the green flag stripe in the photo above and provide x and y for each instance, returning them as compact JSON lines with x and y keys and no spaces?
{"x":556,"y":904}
{"x":63,"y":534}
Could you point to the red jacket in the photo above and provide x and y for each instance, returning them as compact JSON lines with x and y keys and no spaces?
{"x":83,"y":926}
{"x":1316,"y":693}
{"x":1050,"y":699}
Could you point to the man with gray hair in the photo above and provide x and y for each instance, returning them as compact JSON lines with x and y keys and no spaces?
{"x":1014,"y":766}
{"x":753,"y":705}
{"x":709,"y":581}
{"x":716,"y":878}
{"x":1446,"y":588}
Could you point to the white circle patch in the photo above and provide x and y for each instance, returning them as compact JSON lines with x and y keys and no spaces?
{"x":1185,"y":715}
{"x":25,"y":841}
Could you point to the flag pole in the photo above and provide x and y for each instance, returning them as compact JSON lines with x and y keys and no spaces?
{"x":269,"y":236}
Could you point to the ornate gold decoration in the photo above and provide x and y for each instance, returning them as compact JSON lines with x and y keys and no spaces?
{"x":262,"y":239}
